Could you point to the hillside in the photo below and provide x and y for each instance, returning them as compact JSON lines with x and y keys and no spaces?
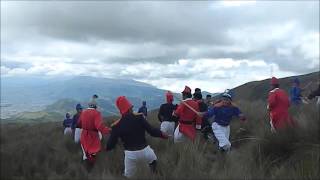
{"x":258,"y":90}
{"x":40,"y":151}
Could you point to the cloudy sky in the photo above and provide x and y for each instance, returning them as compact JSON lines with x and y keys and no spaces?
{"x":211,"y":45}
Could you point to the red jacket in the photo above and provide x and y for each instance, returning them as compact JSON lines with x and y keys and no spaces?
{"x":91,"y":122}
{"x":188,"y":118}
{"x":278,"y":104}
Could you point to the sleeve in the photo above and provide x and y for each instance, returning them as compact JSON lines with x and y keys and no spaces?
{"x":99,"y":125}
{"x":236,"y":111}
{"x":113,"y":139}
{"x":209,"y":113}
{"x":74,"y":122}
{"x":160,"y":116}
{"x":272,"y":100}
{"x":64,"y":123}
{"x":155,"y":132}
{"x":198,"y":118}
{"x":179,"y":110}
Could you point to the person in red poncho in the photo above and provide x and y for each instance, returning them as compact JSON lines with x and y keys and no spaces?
{"x":90,"y":122}
{"x":278,"y":105}
{"x":189,"y":120}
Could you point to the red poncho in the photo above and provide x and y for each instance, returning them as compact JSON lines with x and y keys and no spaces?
{"x":91,"y":122}
{"x":188,"y":118}
{"x":278,"y":103}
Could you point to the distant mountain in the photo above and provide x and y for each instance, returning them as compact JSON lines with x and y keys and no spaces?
{"x":258,"y":90}
{"x":61,"y":94}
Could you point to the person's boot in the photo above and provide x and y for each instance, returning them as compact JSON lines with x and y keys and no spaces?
{"x":153,"y":166}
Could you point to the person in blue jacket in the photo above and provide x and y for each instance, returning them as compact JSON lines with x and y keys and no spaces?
{"x":67,"y":124}
{"x":143,"y":109}
{"x":223,"y":112}
{"x":295,"y":92}
{"x":75,"y":119}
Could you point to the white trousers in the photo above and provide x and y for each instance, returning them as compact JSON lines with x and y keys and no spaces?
{"x":131,"y":159}
{"x":167,"y":127}
{"x":67,"y":131}
{"x":178,"y":136}
{"x":77,"y":135}
{"x":222,"y":134}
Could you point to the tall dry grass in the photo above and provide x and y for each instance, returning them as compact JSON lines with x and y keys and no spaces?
{"x":40,"y":151}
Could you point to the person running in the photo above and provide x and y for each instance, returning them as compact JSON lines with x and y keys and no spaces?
{"x":295,"y":92}
{"x":90,"y":122}
{"x":131,"y":130}
{"x":67,"y":124}
{"x":75,"y":119}
{"x":278,"y":106}
{"x":189,"y":120}
{"x":165,"y":115}
{"x":223,"y":114}
{"x":143,"y":109}
{"x":315,"y":93}
{"x":203,"y":107}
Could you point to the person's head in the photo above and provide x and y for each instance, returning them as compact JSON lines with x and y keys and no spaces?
{"x":186,"y":93}
{"x":124,"y":105}
{"x":226,"y":99}
{"x":144,"y":103}
{"x":296,"y":82}
{"x":208,"y":97}
{"x":79,"y":108}
{"x":197,"y":95}
{"x":169,"y":97}
{"x":68,"y":115}
{"x":93,"y":102}
{"x":197,"y":90}
{"x":274,"y":83}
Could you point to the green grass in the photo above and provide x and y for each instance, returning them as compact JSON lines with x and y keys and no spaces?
{"x":40,"y":151}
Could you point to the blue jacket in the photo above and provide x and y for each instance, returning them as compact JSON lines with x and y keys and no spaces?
{"x":295,"y":95}
{"x":75,"y":119}
{"x":143,"y":110}
{"x":223,"y":115}
{"x":67,"y":123}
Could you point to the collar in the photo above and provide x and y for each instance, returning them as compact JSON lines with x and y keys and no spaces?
{"x":187,"y":99}
{"x":273,"y":90}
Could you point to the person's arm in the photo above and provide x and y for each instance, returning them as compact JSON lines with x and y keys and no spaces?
{"x":198,"y":118}
{"x":99,"y":124}
{"x":179,"y":110}
{"x":209,"y":113}
{"x":155,"y":132}
{"x":271,"y":100}
{"x":239,"y":114}
{"x":64,"y":123}
{"x":160,"y":116}
{"x":113,"y":139}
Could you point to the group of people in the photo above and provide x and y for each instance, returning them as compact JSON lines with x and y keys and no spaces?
{"x":178,"y":121}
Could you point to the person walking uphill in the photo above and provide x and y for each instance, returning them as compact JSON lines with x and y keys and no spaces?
{"x":131,"y":130}
{"x":295,"y":92}
{"x":143,"y":109}
{"x":67,"y":124}
{"x":91,"y":123}
{"x":75,"y":119}
{"x":223,"y":113}
{"x":165,"y":115}
{"x":189,"y":120}
{"x":278,"y":106}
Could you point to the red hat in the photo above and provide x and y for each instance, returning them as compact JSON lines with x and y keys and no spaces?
{"x":186,"y":90}
{"x":169,"y":96}
{"x":274,"y":81}
{"x":123,"y":104}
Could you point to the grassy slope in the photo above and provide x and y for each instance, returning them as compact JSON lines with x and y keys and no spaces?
{"x":40,"y":151}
